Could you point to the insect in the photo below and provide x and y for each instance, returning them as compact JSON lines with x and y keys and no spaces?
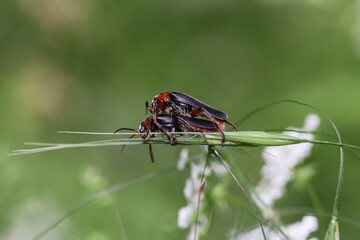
{"x":177,"y":103}
{"x":182,"y":124}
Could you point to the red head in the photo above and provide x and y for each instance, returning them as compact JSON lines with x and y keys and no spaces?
{"x":144,"y":127}
{"x":160,"y":101}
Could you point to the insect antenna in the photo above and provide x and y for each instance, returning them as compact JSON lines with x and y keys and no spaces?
{"x":129,"y":129}
{"x":146,"y":107}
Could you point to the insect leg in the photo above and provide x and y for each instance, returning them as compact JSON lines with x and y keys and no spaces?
{"x":147,"y":134}
{"x":148,"y":131}
{"x":232,"y":125}
{"x":151,"y":153}
{"x":174,"y":128}
{"x":208,"y":115}
{"x":191,"y":127}
{"x":163,"y":130}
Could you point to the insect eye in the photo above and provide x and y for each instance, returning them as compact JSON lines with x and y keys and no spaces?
{"x":141,"y":128}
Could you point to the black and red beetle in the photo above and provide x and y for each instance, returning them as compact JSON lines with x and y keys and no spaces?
{"x":172,"y":124}
{"x":177,"y":103}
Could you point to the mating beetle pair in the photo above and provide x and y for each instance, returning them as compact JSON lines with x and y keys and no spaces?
{"x":177,"y":103}
{"x":182,"y":124}
{"x":176,"y":111}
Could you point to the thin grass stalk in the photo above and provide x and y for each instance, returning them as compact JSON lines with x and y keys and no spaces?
{"x":199,"y":195}
{"x":333,"y":231}
{"x":110,"y":190}
{"x":234,"y":139}
{"x":240,"y":179}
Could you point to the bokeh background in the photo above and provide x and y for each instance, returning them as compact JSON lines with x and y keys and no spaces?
{"x":90,"y":66}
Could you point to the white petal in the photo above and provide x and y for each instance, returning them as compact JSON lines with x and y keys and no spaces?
{"x":301,"y":230}
{"x":312,"y":122}
{"x":184,"y":216}
{"x":184,"y":158}
{"x":280,"y":162}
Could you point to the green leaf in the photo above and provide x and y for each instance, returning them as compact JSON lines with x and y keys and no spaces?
{"x":333,"y":232}
{"x":241,"y":180}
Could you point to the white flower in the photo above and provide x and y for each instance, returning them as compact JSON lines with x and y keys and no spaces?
{"x":191,"y":190}
{"x":276,"y":173}
{"x":280,"y":161}
{"x":301,"y":230}
{"x":184,"y":158}
{"x":218,"y":169}
{"x":187,"y":214}
{"x":202,"y":222}
{"x":296,"y":231}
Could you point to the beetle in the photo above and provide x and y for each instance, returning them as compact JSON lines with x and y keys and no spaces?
{"x":182,"y":124}
{"x":177,"y":103}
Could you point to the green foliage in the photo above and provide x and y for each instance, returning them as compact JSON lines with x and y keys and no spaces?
{"x":333,"y":232}
{"x":91,"y":65}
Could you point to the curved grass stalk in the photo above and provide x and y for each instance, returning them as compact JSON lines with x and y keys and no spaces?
{"x":110,"y":190}
{"x":240,"y":179}
{"x":333,"y":231}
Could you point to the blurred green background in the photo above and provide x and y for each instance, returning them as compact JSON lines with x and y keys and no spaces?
{"x":90,"y":66}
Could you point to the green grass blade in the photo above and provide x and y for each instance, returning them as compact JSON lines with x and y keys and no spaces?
{"x":118,"y":219}
{"x":110,"y":190}
{"x":334,"y":224}
{"x":240,"y":180}
{"x":235,"y":139}
{"x":333,"y":232}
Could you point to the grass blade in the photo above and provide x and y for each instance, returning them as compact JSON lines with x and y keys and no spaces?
{"x":110,"y":190}
{"x":334,"y":224}
{"x":333,"y":232}
{"x":240,"y":180}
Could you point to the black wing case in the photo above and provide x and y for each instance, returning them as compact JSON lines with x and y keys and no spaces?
{"x":181,"y":98}
{"x":164,"y":120}
{"x":195,"y":122}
